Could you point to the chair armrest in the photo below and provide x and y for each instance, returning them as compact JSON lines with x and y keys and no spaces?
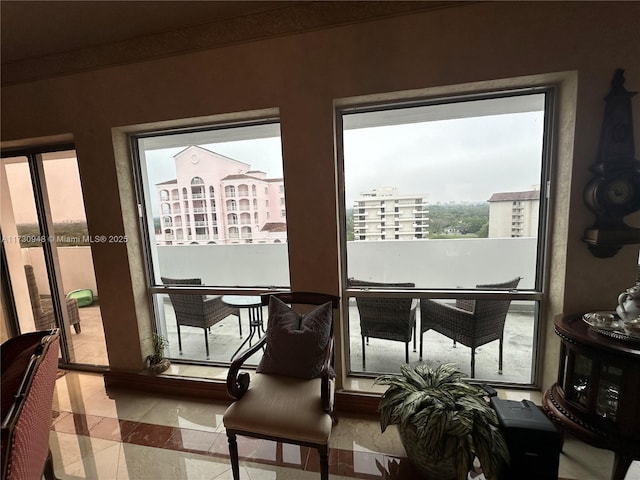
{"x":214,"y":306}
{"x":238,"y":382}
{"x":325,"y":376}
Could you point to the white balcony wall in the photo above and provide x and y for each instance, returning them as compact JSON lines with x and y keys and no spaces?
{"x":444,"y":263}
{"x":227,"y":265}
{"x":76,"y":264}
{"x":427,"y":263}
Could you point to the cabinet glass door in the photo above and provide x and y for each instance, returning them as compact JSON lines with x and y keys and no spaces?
{"x":578,"y":391}
{"x":608,"y":392}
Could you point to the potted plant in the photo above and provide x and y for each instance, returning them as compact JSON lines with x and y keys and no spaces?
{"x":157,"y":363}
{"x":444,"y":423}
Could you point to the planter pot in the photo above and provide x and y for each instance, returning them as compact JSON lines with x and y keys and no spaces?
{"x":444,"y":469}
{"x":159,"y":367}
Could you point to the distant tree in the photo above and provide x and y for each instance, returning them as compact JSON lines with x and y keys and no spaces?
{"x":466,"y":220}
{"x":484,"y":231}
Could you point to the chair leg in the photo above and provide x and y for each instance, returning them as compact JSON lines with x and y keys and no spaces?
{"x":406,"y":352}
{"x":240,"y":326}
{"x":473,"y":362}
{"x":179,"y":340}
{"x":421,"y":336}
{"x":414,"y":338}
{"x":206,"y":342}
{"x":500,"y":357}
{"x":49,"y":473}
{"x":76,"y":327}
{"x":233,"y":455}
{"x":323,"y":451}
{"x":363,"y":359}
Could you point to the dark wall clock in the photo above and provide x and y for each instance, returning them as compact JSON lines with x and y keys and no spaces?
{"x":614,"y":191}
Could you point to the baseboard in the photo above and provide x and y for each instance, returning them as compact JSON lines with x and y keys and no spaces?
{"x":165,"y":385}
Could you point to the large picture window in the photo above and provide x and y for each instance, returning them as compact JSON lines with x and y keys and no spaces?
{"x":203,"y":195}
{"x":444,"y":224}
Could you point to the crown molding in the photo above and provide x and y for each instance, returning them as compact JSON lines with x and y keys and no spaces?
{"x":287,"y":20}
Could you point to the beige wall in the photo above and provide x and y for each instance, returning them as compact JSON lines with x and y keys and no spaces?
{"x":302,"y":75}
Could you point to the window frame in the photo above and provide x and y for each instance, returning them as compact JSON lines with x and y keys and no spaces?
{"x":139,"y":179}
{"x":537,"y":295}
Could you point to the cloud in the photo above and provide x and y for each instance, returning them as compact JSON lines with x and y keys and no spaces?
{"x":458,"y":160}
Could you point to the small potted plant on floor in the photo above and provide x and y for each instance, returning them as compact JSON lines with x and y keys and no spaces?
{"x":444,"y":423}
{"x":157,"y":363}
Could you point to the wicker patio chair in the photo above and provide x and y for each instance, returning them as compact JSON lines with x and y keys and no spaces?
{"x":29,"y":364}
{"x":471,"y":322}
{"x":386,"y":318}
{"x":290,"y":397}
{"x":192,"y":310}
{"x":43,"y":314}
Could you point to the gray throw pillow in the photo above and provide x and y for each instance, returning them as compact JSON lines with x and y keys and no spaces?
{"x":296,"y":343}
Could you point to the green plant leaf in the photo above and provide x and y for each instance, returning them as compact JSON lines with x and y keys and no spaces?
{"x":449,"y":417}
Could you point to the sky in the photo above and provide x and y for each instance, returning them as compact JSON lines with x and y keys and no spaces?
{"x":63,"y":185}
{"x":458,"y":160}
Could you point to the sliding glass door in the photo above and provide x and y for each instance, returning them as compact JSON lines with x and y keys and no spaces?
{"x":48,"y":252}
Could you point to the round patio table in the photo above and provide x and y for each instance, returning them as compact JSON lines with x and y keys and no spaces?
{"x":254,"y":305}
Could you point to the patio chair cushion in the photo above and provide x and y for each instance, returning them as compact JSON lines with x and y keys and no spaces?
{"x":296,"y":343}
{"x":83,"y":296}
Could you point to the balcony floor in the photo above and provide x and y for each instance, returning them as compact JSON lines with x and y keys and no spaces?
{"x":381,"y":356}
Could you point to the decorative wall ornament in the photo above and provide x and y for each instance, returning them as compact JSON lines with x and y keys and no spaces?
{"x":614,"y":191}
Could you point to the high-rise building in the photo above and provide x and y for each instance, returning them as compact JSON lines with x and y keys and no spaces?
{"x":384,"y":214}
{"x":514,"y":214}
{"x":216,"y":199}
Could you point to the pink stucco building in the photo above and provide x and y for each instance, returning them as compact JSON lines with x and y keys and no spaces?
{"x":216,"y":199}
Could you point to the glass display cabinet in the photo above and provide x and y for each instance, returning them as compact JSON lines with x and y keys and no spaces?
{"x":597,"y":395}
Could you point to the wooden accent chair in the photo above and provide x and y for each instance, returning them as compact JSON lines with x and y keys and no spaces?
{"x":202,"y":311}
{"x":471,"y":322}
{"x":43,"y":313}
{"x":29,"y":368}
{"x":287,"y":406}
{"x":386,"y":318}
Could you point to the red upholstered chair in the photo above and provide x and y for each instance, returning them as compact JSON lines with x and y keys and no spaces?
{"x":286,"y":406}
{"x":29,"y":367}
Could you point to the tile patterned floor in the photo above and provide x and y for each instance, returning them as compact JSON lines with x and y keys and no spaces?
{"x":139,"y":437}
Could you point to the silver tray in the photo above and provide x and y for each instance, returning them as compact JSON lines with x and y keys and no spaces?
{"x":613,"y":328}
